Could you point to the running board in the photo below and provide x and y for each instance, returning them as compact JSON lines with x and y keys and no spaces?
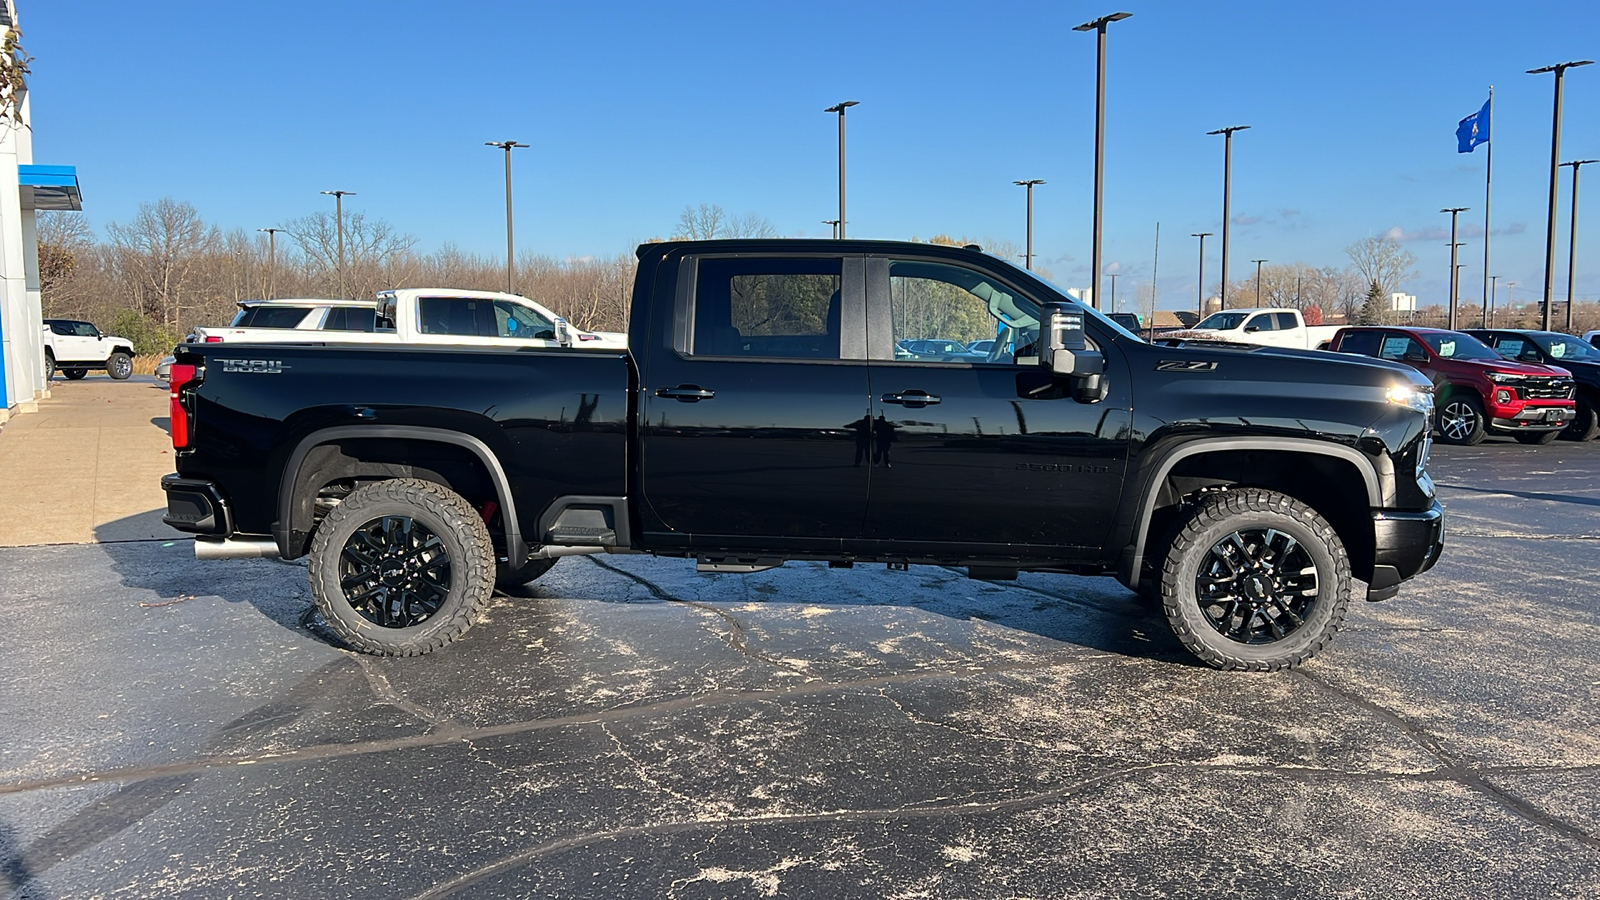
{"x":235,"y":548}
{"x":736,"y":565}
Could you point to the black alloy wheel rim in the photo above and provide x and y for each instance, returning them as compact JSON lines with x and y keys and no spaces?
{"x":1257,"y":586}
{"x":1458,"y":421}
{"x":395,"y":572}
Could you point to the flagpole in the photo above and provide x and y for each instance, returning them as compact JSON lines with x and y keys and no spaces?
{"x":1488,"y":175}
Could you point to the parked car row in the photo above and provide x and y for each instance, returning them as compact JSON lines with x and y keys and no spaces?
{"x":1526,"y":384}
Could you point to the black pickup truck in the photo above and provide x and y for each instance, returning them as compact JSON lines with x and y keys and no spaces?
{"x":762,"y":414}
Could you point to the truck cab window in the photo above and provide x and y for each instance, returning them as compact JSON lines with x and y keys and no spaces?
{"x":448,"y":315}
{"x":518,"y":321}
{"x":773,"y":308}
{"x":1285,"y":321}
{"x":939,"y":309}
{"x":1262,"y":322}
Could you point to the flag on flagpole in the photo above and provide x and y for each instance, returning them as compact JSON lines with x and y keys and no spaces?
{"x":1473,"y":130}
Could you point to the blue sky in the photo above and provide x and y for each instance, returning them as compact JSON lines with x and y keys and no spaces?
{"x":635,"y":110}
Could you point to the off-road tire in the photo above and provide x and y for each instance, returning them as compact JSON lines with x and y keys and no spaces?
{"x":74,"y":374}
{"x":507,"y":578}
{"x":1213,"y":520}
{"x":119,"y":366}
{"x":1463,"y":407}
{"x":461,"y":534}
{"x":1536,"y":437}
{"x":49,"y":366}
{"x":1586,"y":426}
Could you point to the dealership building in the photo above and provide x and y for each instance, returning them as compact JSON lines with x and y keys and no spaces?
{"x":24,"y":189}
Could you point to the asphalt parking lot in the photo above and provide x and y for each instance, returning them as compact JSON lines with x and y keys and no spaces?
{"x":628,"y":728}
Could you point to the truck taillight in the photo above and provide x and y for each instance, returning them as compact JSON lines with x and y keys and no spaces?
{"x":180,"y":376}
{"x":213,"y":339}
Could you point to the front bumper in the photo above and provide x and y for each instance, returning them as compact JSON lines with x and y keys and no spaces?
{"x":1530,"y":417}
{"x":1406,"y":544}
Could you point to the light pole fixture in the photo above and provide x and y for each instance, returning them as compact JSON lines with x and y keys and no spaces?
{"x":1453,"y":211}
{"x":1027,"y":257}
{"x":1555,"y":173}
{"x":507,"y":146}
{"x":1200,"y":301}
{"x":1258,"y":263}
{"x":338,"y":214}
{"x":272,"y":259}
{"x":1488,"y":308}
{"x":1099,"y":27}
{"x":840,"y":108}
{"x":1227,"y":175}
{"x":835,"y":224}
{"x":1572,"y":236}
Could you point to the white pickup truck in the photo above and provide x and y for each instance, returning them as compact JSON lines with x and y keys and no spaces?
{"x":1268,"y":327}
{"x":409,"y":316}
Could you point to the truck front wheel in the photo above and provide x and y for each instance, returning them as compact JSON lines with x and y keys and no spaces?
{"x":1254,"y":579}
{"x":401,"y":567}
{"x":119,"y":366}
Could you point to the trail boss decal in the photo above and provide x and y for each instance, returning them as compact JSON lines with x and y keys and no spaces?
{"x":1185,"y":365}
{"x":255,"y":366}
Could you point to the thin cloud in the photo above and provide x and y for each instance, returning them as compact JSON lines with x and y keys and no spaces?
{"x":1246,"y":220}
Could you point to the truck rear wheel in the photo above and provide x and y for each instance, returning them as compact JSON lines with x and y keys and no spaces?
{"x":1585,"y":425}
{"x":74,"y":374}
{"x":1255,"y":580}
{"x":401,"y":567}
{"x":49,"y":365}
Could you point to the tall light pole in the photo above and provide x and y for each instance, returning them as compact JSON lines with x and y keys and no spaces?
{"x":1258,"y":263}
{"x":1488,"y":308}
{"x":506,"y":146}
{"x":1453,"y":211}
{"x":1099,"y":27}
{"x":1227,"y":175}
{"x":1572,"y":235}
{"x":840,"y":108}
{"x":835,"y":224}
{"x":272,"y":259}
{"x":1555,"y":173}
{"x":1200,"y":301}
{"x":1113,"y":277}
{"x":1028,"y":256}
{"x":338,"y":213}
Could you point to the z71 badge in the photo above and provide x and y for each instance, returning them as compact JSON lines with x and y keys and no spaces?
{"x":1185,"y":365}
{"x":255,"y":366}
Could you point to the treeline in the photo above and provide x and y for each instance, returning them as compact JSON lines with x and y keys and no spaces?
{"x":156,"y":277}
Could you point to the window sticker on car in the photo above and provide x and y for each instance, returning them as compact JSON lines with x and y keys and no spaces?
{"x":1394,"y":347}
{"x":1447,"y":349}
{"x":1558,"y":350}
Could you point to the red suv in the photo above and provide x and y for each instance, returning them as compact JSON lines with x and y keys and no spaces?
{"x":1478,"y":390}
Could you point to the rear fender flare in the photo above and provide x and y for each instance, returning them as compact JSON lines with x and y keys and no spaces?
{"x":290,"y":521}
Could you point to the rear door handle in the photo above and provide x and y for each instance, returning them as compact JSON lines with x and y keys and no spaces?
{"x":912,"y":399}
{"x":686,"y":393}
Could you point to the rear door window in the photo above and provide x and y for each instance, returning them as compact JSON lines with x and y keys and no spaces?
{"x":350,"y":318}
{"x":785,"y":308}
{"x":1285,"y":321}
{"x":459,"y":316}
{"x":1362,"y":342}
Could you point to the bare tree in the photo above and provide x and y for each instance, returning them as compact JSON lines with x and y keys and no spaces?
{"x":375,"y":255}
{"x":157,"y":252}
{"x":709,"y":221}
{"x":1382,"y":261}
{"x":66,"y":244}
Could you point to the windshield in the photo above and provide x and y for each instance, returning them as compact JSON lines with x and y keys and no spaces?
{"x":1223,"y":321}
{"x":1563,"y":346}
{"x":1095,"y":313}
{"x":1450,"y":345}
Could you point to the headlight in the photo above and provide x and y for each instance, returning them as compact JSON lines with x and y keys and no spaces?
{"x":1408,"y":396}
{"x":1504,"y":377}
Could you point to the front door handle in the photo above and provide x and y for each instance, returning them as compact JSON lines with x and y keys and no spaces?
{"x":686,"y":393}
{"x":913,"y":399}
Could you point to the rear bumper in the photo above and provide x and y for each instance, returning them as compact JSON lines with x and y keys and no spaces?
{"x":196,"y":506}
{"x":1406,"y":544}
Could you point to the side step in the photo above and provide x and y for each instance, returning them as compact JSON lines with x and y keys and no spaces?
{"x":736,"y":565}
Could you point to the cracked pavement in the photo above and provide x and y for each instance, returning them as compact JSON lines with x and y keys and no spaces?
{"x":626,"y":727}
